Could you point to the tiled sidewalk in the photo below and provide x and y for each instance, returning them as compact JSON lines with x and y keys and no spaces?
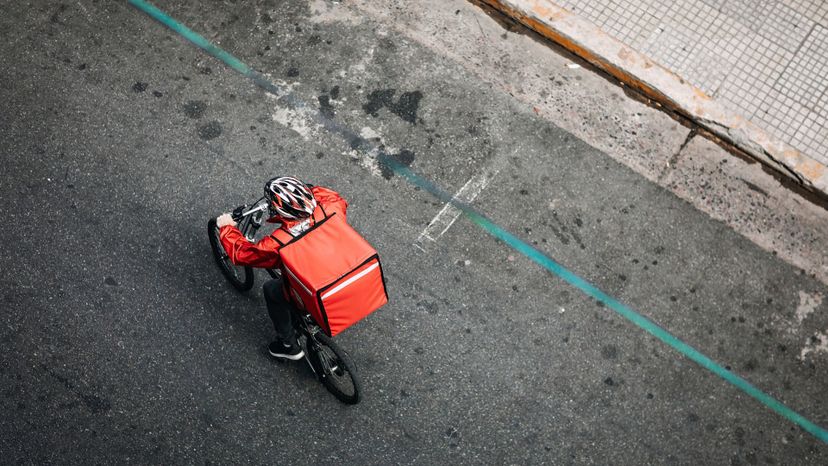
{"x":766,"y":59}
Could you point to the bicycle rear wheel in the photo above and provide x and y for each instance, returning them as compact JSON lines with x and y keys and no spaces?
{"x":335,"y":368}
{"x":240,"y":277}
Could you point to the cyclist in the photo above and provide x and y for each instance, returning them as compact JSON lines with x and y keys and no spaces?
{"x":292,"y":203}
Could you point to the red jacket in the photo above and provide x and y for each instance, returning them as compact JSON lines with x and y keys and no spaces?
{"x":265,"y":253}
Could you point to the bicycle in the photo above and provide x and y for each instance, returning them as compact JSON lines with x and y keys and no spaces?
{"x":331,"y":365}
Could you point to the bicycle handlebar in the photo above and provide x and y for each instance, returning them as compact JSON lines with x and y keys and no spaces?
{"x":240,"y":212}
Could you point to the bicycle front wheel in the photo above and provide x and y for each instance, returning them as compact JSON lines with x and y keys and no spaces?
{"x":335,"y":368}
{"x":240,"y":277}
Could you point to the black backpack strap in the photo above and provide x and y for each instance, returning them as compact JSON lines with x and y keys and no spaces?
{"x":287,"y":237}
{"x":283,"y":241}
{"x":316,"y":212}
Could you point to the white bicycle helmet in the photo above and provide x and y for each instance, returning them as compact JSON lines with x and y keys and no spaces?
{"x":290,"y":199}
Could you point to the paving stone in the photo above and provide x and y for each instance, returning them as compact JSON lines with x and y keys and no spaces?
{"x":764,"y":58}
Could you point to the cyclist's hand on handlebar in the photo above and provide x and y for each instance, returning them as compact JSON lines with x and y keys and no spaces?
{"x":238,"y":211}
{"x":225,"y":219}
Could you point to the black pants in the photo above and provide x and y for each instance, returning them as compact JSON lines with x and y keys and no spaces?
{"x":279,"y":309}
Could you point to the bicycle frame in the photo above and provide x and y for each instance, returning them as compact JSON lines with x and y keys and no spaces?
{"x":305,"y":326}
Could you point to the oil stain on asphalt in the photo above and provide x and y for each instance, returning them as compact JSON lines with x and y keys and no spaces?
{"x":405,"y":107}
{"x":209,"y":131}
{"x":194,"y":109}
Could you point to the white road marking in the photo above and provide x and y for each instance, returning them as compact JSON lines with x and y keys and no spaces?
{"x":807,"y":304}
{"x":296,"y":121}
{"x":327,"y":12}
{"x":446,"y":217}
{"x":303,"y":121}
{"x":814,"y":345}
{"x":449,"y":214}
{"x":818,"y":343}
{"x":370,"y":133}
{"x":366,"y":160}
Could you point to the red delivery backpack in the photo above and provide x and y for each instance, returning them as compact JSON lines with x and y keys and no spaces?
{"x":332,"y":273}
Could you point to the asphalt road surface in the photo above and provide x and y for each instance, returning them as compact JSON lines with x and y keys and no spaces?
{"x":123,"y":344}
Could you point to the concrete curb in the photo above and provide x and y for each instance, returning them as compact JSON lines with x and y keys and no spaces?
{"x":636,"y":70}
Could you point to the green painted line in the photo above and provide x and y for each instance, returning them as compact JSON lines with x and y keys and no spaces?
{"x":493,"y":229}
{"x":650,"y":327}
{"x":197,"y":39}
